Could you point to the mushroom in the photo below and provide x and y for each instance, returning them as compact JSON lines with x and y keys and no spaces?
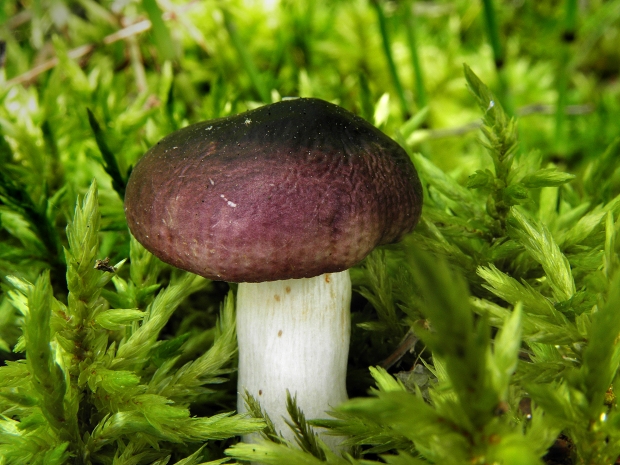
{"x":283,"y":200}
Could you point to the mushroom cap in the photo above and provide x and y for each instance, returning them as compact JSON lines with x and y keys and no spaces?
{"x":289,"y":190}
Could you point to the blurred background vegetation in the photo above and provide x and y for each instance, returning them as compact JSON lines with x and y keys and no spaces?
{"x":86,"y":87}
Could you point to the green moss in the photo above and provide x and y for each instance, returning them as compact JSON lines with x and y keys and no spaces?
{"x":507,"y":292}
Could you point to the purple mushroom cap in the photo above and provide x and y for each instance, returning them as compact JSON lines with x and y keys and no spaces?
{"x":289,"y":190}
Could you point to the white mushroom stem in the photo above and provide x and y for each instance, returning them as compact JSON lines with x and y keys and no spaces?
{"x":294,"y":335}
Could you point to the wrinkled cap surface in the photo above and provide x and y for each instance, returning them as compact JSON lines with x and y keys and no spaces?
{"x":289,"y":190}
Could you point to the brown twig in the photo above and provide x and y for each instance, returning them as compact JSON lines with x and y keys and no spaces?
{"x":406,"y":345}
{"x":20,"y":18}
{"x":541,"y":109}
{"x":533,"y":109}
{"x":79,"y":52}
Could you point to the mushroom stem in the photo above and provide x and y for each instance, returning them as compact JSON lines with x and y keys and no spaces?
{"x":294,"y":335}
